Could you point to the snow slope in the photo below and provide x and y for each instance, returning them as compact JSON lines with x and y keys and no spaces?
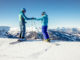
{"x":38,"y":50}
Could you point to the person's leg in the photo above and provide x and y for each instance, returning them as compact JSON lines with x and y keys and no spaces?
{"x":20,"y":35}
{"x":23,"y":32}
{"x":45,"y":33}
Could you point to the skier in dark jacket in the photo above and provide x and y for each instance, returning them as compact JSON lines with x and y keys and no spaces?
{"x":44,"y":20}
{"x":22,"y":19}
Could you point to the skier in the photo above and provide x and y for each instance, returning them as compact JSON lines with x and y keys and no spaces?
{"x":22,"y":19}
{"x":44,"y":20}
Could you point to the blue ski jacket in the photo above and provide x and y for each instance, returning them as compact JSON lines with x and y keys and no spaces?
{"x":22,"y":18}
{"x":44,"y":20}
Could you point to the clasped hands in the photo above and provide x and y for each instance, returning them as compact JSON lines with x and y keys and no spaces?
{"x":33,"y":18}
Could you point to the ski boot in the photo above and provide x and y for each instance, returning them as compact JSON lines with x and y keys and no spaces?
{"x":47,"y":40}
{"x":21,"y":39}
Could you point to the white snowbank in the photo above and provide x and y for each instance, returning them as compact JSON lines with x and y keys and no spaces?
{"x":28,"y":29}
{"x":38,"y":50}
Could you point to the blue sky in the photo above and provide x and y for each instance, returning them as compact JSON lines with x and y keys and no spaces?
{"x":62,"y":13}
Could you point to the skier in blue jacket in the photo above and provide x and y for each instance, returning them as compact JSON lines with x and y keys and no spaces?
{"x":22,"y":19}
{"x":44,"y":20}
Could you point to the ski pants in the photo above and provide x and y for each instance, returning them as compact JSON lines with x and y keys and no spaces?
{"x":45,"y":33}
{"x":22,"y":30}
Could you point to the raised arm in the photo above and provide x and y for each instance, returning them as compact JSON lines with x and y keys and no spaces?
{"x":40,"y":18}
{"x":26,"y":18}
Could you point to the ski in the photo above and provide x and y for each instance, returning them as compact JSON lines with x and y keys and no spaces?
{"x":15,"y":42}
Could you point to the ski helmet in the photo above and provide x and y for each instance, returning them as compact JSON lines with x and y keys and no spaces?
{"x":43,"y":13}
{"x":23,"y":9}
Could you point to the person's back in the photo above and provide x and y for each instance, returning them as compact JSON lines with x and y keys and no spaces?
{"x":45,"y":20}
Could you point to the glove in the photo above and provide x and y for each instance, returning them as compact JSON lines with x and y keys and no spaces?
{"x":33,"y":18}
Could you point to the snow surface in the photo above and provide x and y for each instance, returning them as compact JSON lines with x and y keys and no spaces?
{"x":39,"y":50}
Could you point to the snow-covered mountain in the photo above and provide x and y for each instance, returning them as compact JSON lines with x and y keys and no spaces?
{"x":4,"y":30}
{"x":69,"y":34}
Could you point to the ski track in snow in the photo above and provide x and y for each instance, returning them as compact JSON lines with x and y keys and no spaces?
{"x":44,"y":50}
